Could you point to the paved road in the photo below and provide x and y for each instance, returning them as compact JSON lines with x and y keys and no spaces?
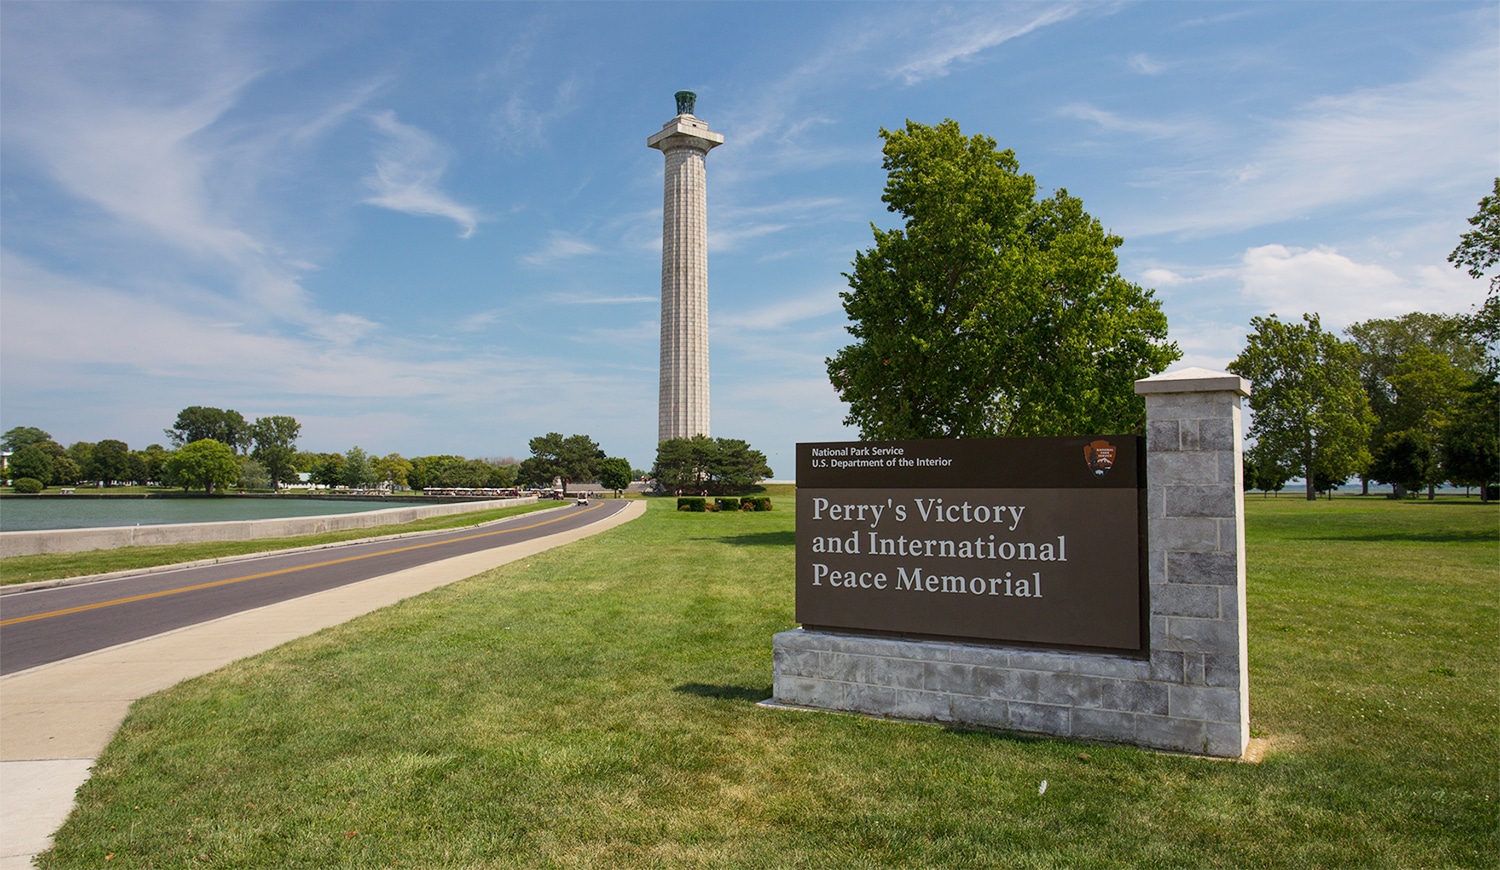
{"x":47,"y":625}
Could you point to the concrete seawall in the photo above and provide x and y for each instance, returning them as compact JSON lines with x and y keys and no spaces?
{"x":32,"y":543}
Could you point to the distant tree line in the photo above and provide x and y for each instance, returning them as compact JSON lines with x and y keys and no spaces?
{"x":214,"y":450}
{"x":1411,"y":402}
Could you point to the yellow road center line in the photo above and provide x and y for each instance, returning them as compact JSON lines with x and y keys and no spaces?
{"x":165,"y":592}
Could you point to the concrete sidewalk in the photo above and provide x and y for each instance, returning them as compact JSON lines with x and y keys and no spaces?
{"x":56,"y":719}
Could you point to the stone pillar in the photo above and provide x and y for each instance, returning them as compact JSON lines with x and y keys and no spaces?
{"x":682,"y":409}
{"x":1196,"y":515}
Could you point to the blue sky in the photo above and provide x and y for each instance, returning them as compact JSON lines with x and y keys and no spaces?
{"x":435,"y":227}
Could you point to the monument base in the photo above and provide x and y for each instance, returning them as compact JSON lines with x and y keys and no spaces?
{"x":1173,"y":702}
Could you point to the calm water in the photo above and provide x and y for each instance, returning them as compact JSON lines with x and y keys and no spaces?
{"x":82,"y":513}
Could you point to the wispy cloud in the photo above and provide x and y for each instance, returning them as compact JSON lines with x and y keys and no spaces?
{"x":560,"y":246}
{"x":1434,"y":132}
{"x":134,"y":149}
{"x":1112,"y":122}
{"x":604,"y":300}
{"x":962,"y":41}
{"x":479,"y":321}
{"x":1145,"y":64}
{"x":409,"y":167}
{"x":783,"y":313}
{"x":132,"y":110}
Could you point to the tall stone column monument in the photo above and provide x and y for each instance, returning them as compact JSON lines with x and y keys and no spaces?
{"x":682,"y":410}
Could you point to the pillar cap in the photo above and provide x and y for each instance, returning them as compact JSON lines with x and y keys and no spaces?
{"x":685,"y":131}
{"x":1193,"y":380}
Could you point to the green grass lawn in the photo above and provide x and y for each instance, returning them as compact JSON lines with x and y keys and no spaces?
{"x":594,"y":706}
{"x":54,"y":566}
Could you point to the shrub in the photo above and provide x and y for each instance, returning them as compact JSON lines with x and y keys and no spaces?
{"x":27,"y":485}
{"x":727,"y":504}
{"x":756,"y":503}
{"x":691,"y":503}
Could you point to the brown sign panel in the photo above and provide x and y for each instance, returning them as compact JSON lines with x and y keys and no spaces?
{"x":1013,"y":540}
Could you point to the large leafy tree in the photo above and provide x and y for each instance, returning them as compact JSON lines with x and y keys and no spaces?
{"x":22,"y":436}
{"x":575,"y":457}
{"x":203,"y":463}
{"x":614,"y":473}
{"x":990,"y":312}
{"x":392,"y":469}
{"x":1414,"y":369}
{"x":710,"y":466}
{"x":153,"y":460}
{"x":359,"y":471}
{"x":34,"y":462}
{"x":275,"y":440}
{"x":109,"y":462}
{"x":1471,"y":443}
{"x":328,"y":470}
{"x":432,"y":471}
{"x":196,"y":423}
{"x":1310,"y":409}
{"x":1471,"y":440}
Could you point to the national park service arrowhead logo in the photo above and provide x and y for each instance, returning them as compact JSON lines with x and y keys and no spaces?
{"x":1100,"y":455}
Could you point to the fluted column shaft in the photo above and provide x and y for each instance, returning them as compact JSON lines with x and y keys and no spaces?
{"x":683,"y":405}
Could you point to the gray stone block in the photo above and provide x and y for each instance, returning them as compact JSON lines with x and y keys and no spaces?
{"x":1112,"y":666}
{"x":1229,"y":602}
{"x":1230,"y":469}
{"x":1188,"y":434}
{"x":1175,"y":599}
{"x":1185,"y":406}
{"x":1223,"y":671}
{"x":1108,"y":725}
{"x":1166,"y":666}
{"x":1162,"y":436}
{"x":1043,"y":661}
{"x":984,"y":656}
{"x":996,"y":684}
{"x":1192,"y":535}
{"x":1182,"y":469}
{"x":893,"y":672}
{"x":1192,"y":664}
{"x":1217,"y":434}
{"x":1069,"y":690}
{"x":808,"y":692}
{"x":1156,"y":566}
{"x":1039,"y":718}
{"x":795,"y":662}
{"x":1177,"y":735}
{"x":1225,"y":740}
{"x":1206,"y":569}
{"x":1191,"y":635}
{"x":949,"y":678}
{"x":1156,"y":502}
{"x":1203,"y":702}
{"x":930,"y":706}
{"x":1134,"y":696}
{"x":1212,"y":500}
{"x":875,"y":700}
{"x":986,"y":712}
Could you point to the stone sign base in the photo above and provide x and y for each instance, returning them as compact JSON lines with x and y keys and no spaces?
{"x":1175,"y":701}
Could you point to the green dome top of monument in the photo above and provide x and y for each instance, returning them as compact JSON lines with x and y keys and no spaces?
{"x":685,"y":101}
